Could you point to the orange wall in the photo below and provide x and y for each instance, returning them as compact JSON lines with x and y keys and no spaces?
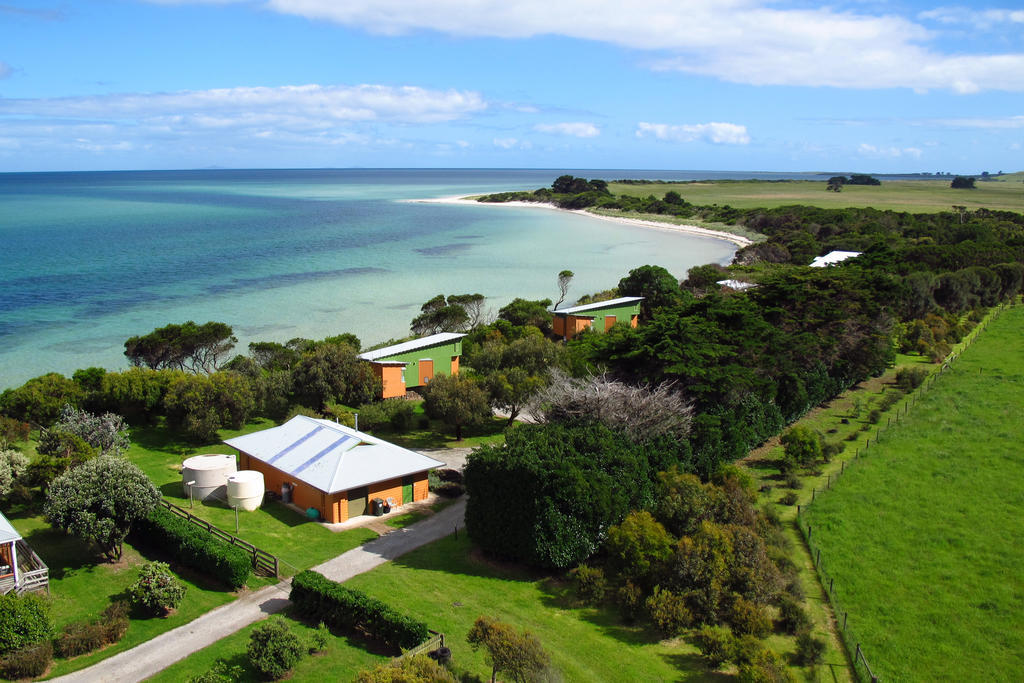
{"x":455,"y":365}
{"x":420,"y":489}
{"x":392,"y":488}
{"x":392,"y":378}
{"x":558,"y":325}
{"x":577,"y":325}
{"x":633,"y":321}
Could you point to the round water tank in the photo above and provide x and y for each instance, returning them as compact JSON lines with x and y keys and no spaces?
{"x":245,"y":489}
{"x":210,"y":474}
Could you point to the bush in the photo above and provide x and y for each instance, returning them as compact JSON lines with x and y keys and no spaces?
{"x":629,"y":598}
{"x":747,"y":649}
{"x":909,"y":379}
{"x":809,"y":650}
{"x":318,"y":598}
{"x":28,"y":662}
{"x":789,"y":499}
{"x":802,"y":445}
{"x":767,"y":667}
{"x":24,"y":621}
{"x":449,"y":474}
{"x":396,"y":415}
{"x":668,"y":611}
{"x":220,"y":672}
{"x":716,"y":644}
{"x":750,"y":618}
{"x":874,"y":416}
{"x":794,"y":481}
{"x":449,"y":489}
{"x":830,"y":449}
{"x":115,"y":619}
{"x":186,"y":543}
{"x":274,"y":649}
{"x":591,"y":585}
{"x":157,"y":589}
{"x":792,"y":617}
{"x":80,"y":637}
{"x":420,"y":668}
{"x":319,"y":638}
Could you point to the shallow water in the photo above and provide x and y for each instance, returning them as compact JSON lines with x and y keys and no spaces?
{"x":90,"y":259}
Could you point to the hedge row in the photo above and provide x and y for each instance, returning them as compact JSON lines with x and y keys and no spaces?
{"x":320,"y":599}
{"x":166,"y":532}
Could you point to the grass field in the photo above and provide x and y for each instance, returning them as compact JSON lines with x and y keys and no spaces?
{"x":448,"y":585}
{"x":898,"y":195}
{"x":922,"y":535}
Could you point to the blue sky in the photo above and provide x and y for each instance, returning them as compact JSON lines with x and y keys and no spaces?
{"x":869,"y":86}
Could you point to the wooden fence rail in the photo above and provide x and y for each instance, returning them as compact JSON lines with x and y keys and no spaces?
{"x":435,"y":641}
{"x":263,"y":562}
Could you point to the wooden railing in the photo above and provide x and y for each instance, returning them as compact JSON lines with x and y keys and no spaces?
{"x":38,"y":576}
{"x":435,"y":641}
{"x":263,"y":562}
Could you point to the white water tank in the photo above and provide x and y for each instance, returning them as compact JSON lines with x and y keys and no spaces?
{"x":245,"y":489}
{"x":210,"y":474}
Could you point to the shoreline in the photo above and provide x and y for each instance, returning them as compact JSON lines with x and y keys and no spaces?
{"x":694,"y":230}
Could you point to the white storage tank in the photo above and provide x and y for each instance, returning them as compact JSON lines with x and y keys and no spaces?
{"x":245,"y":489}
{"x":210,"y":474}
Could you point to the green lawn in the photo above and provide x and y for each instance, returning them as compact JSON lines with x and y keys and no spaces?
{"x":922,"y":535}
{"x":275,"y":528}
{"x":898,"y":195}
{"x":448,"y":585}
{"x":82,"y":586}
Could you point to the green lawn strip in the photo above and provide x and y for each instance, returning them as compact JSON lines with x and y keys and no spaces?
{"x":437,"y":435}
{"x":920,"y":196}
{"x":922,"y":533}
{"x":82,"y":586}
{"x":275,"y":528}
{"x":342,"y":658}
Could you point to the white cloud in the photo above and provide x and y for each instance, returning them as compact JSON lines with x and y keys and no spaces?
{"x":505,"y":143}
{"x":888,"y":152}
{"x":982,"y":20}
{"x":1002,"y":123}
{"x":760,"y":42}
{"x":5,"y":69}
{"x":714,"y":132}
{"x":573,"y":129}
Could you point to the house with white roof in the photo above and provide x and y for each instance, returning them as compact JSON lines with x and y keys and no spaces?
{"x":411,"y":364}
{"x":832,"y":258}
{"x":332,"y":468}
{"x":20,"y":568}
{"x":569,"y":322}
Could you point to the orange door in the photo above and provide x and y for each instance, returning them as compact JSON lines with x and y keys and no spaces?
{"x":426,"y":371}
{"x":609,"y":320}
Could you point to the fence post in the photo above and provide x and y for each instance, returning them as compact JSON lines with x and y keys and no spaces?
{"x":808,"y":534}
{"x":842,"y":467}
{"x":818,"y":561}
{"x":812,"y":494}
{"x":845,"y":614}
{"x":830,"y":581}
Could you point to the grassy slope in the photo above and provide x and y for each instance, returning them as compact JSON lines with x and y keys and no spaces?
{"x":922,"y":535}
{"x":449,"y":586}
{"x":898,"y":195}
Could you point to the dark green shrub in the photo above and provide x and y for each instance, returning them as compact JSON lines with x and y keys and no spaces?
{"x":789,"y":499}
{"x":165,"y":532}
{"x":397,"y":415}
{"x":809,"y":650}
{"x":830,"y":449}
{"x":909,"y":379}
{"x":668,"y":611}
{"x":220,"y":672}
{"x":792,"y":617}
{"x":747,"y":617}
{"x":794,"y":481}
{"x":274,"y":649}
{"x":24,"y":620}
{"x":318,"y":598}
{"x":874,"y":416}
{"x":115,"y":620}
{"x":766,"y":667}
{"x":28,"y":662}
{"x":716,"y":644}
{"x":630,"y":598}
{"x":449,"y":489}
{"x":319,"y":638}
{"x":747,"y":648}
{"x":157,"y":590}
{"x":591,"y":585}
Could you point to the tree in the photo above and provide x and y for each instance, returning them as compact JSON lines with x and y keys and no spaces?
{"x":564,"y":280}
{"x":100,"y":500}
{"x":12,"y":465}
{"x":456,"y":313}
{"x":527,"y":312}
{"x":457,"y":401}
{"x":517,"y":654}
{"x":188,"y":346}
{"x":835,"y":183}
{"x":157,"y":590}
{"x":802,"y":445}
{"x":107,"y":433}
{"x":658,"y":287}
{"x":274,"y":649}
{"x":962,"y":183}
{"x":201,"y":404}
{"x":332,"y":372}
{"x":638,"y":547}
{"x":40,"y":399}
{"x":514,"y":372}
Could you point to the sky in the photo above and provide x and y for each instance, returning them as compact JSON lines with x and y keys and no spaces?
{"x":774,"y":85}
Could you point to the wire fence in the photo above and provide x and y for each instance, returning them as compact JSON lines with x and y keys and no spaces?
{"x":862,"y":668}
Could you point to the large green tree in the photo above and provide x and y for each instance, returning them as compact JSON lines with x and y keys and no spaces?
{"x":517,"y":654}
{"x":658,"y":287}
{"x":100,"y":500}
{"x":188,"y":346}
{"x":457,"y":401}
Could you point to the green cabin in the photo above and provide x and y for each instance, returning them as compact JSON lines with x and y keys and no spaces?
{"x":599,"y":316}
{"x":411,"y":364}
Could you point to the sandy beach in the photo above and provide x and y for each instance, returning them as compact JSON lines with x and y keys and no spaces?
{"x":738,"y":240}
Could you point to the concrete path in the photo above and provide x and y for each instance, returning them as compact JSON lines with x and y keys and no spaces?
{"x":155,"y":655}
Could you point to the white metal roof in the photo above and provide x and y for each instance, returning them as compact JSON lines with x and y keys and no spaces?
{"x":405,"y":347}
{"x":329,"y":456}
{"x":832,"y":258}
{"x":600,"y":304}
{"x":7,"y":531}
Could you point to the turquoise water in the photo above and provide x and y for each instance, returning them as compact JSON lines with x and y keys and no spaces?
{"x":90,"y":259}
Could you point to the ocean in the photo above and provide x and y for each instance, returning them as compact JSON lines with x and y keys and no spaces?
{"x":88,"y":259}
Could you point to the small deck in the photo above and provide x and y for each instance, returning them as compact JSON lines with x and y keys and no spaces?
{"x":34,"y":575}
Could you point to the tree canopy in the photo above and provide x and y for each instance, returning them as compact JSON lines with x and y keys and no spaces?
{"x":188,"y":346}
